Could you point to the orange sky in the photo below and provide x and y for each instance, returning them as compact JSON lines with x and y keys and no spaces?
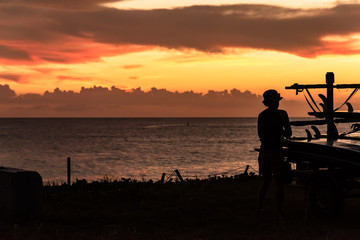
{"x":215,"y":45}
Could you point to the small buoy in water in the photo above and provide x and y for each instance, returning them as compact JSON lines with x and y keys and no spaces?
{"x":187,"y":124}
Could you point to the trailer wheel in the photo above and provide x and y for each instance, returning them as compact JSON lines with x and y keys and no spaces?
{"x":325,"y":198}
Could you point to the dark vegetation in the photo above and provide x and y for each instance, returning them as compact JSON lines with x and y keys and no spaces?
{"x":214,"y":208}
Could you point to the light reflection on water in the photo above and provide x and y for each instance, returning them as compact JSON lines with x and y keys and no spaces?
{"x":130,"y":148}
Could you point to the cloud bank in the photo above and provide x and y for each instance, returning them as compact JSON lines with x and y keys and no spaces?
{"x":114,"y":102}
{"x":68,"y":31}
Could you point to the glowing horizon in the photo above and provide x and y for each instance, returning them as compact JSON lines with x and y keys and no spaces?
{"x":168,"y":4}
{"x":208,"y":45}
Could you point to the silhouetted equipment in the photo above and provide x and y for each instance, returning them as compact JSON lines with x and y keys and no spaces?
{"x":323,"y":98}
{"x":328,"y":165}
{"x":308,"y":135}
{"x":68,"y":171}
{"x":20,"y":193}
{"x":246,"y":170}
{"x":328,"y":112}
{"x":179,"y":175}
{"x":323,"y":106}
{"x":350,"y":107}
{"x":317,"y":131}
{"x":175,"y":173}
{"x":355,"y":127}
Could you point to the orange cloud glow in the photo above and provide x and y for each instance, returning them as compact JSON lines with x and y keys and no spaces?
{"x":132,"y":66}
{"x":70,"y":50}
{"x":74,"y":35}
{"x":99,"y":101}
{"x":11,"y":77}
{"x":47,"y":44}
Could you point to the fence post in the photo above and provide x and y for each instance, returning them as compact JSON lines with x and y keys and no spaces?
{"x":246,"y":170}
{"x":68,"y":171}
{"x":179,"y":175}
{"x":163,"y":178}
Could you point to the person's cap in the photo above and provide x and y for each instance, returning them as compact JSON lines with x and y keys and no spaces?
{"x":271,"y":95}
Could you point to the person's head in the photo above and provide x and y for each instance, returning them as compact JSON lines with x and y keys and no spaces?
{"x":271,"y":98}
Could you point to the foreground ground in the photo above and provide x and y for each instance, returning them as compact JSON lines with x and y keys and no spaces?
{"x":222,"y":208}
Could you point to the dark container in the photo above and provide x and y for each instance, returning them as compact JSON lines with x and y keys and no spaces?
{"x":20,"y":193}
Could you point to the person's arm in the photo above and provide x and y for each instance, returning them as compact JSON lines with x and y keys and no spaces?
{"x":260,"y":126}
{"x":286,"y":122}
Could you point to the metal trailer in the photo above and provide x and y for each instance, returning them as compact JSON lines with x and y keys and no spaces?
{"x":327,"y":165}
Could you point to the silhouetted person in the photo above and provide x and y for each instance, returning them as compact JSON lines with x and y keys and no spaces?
{"x":273,"y":125}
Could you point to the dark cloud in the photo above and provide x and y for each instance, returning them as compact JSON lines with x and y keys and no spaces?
{"x":62,"y":78}
{"x":212,"y":28}
{"x":132,"y":66}
{"x":100,"y":101}
{"x":65,"y":34}
{"x":6,"y":93}
{"x":63,"y":4}
{"x":49,"y":70}
{"x":13,"y":54}
{"x":11,"y":77}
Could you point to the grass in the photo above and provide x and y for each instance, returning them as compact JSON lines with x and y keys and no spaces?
{"x":213,"y":208}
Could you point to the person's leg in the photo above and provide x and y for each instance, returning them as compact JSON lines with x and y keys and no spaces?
{"x":265,"y":172}
{"x":279,"y":186}
{"x":279,"y":195}
{"x":264,"y":186}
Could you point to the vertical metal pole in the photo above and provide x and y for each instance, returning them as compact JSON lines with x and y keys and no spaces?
{"x":68,"y":171}
{"x":332,"y":132}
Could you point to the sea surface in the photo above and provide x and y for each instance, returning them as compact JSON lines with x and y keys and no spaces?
{"x":137,"y":148}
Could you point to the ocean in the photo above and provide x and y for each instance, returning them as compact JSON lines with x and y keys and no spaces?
{"x":137,"y":148}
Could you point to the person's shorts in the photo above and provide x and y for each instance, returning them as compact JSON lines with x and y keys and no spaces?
{"x":270,"y":161}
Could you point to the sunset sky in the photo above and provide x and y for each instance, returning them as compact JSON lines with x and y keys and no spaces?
{"x":141,"y":58}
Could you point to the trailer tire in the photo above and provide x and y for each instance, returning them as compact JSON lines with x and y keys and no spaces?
{"x":326,"y":199}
